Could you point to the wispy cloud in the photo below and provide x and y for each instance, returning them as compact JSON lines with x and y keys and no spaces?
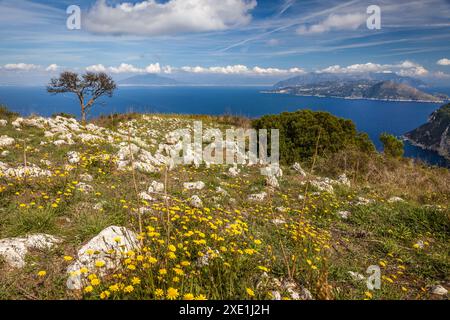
{"x":297,"y":22}
{"x":351,"y":21}
{"x":20,"y":67}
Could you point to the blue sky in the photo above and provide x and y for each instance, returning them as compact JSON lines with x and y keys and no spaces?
{"x":252,"y":39}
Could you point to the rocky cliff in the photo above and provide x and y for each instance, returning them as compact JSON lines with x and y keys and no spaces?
{"x":435,"y":134}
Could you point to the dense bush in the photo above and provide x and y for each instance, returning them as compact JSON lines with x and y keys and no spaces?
{"x":392,"y":146}
{"x":303,"y":130}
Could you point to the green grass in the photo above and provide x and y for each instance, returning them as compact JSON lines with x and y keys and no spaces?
{"x":377,"y":232}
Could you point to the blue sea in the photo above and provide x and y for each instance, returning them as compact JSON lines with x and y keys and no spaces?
{"x":373,"y":117}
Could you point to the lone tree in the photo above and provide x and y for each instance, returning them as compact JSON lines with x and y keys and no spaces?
{"x":88,"y":88}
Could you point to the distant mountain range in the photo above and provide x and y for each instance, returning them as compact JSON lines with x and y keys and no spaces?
{"x":377,"y":86}
{"x":435,"y":134}
{"x":148,"y":80}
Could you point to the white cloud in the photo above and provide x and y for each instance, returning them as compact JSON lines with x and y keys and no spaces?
{"x":125,"y":68}
{"x":405,"y":68}
{"x":52,"y":68}
{"x":172,"y":17}
{"x":411,"y":69}
{"x":350,"y":21}
{"x":129,"y":68}
{"x":153,"y":68}
{"x":20,"y":67}
{"x":96,"y":68}
{"x":241,"y":69}
{"x":444,"y":62}
{"x":356,"y":68}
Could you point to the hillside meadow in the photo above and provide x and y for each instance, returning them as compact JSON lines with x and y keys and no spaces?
{"x":95,"y":212}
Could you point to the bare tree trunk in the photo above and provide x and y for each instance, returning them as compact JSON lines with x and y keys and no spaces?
{"x":83,"y":115}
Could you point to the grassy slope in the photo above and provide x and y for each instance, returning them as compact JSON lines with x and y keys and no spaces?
{"x":315,"y":248}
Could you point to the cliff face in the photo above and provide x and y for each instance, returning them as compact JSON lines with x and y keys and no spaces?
{"x":435,"y":134}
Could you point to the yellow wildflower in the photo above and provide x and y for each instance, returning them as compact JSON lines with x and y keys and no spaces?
{"x":159,"y":292}
{"x":188,"y":296}
{"x":128,"y":289}
{"x":172,"y":293}
{"x":88,"y":289}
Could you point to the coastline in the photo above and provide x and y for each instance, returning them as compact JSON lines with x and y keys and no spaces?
{"x":355,"y":98}
{"x":423,"y":147}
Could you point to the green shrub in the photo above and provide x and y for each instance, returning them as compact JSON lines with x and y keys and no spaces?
{"x":392,"y":147}
{"x":303,"y":130}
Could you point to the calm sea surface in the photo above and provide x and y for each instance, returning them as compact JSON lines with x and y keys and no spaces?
{"x":373,"y":117}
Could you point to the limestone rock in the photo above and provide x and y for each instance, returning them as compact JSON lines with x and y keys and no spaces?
{"x":296,"y":166}
{"x":395,"y":199}
{"x":272,"y":181}
{"x":108,"y":246}
{"x":84,"y":187}
{"x":343,"y":214}
{"x":342,"y":179}
{"x":257,"y":196}
{"x":73,"y":157}
{"x":6,"y":141}
{"x":156,"y":186}
{"x":199,"y":185}
{"x":233,"y":171}
{"x":14,"y":250}
{"x":439,"y":290}
{"x":196,"y":202}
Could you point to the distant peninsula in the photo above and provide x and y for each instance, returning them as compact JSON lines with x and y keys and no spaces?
{"x":374,"y":87}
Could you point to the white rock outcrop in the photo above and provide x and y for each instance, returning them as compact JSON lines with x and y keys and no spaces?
{"x":296,"y":166}
{"x":84,"y":187}
{"x":395,"y":199}
{"x":6,"y":141}
{"x":199,"y":185}
{"x":257,"y":196}
{"x":156,"y":186}
{"x":323,"y":184}
{"x":22,"y":171}
{"x":439,"y":290}
{"x":343,"y":214}
{"x":233,"y":171}
{"x":196,"y":202}
{"x":73,"y":157}
{"x":344,"y":180}
{"x":272,"y":181}
{"x":108,"y":246}
{"x":14,"y":250}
